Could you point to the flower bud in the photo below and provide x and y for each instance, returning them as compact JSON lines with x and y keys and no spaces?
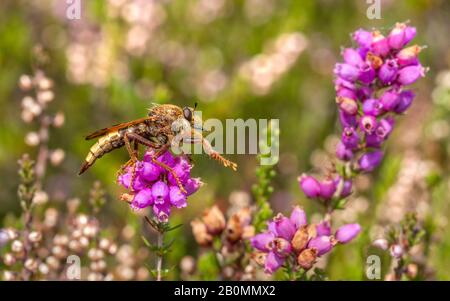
{"x":150,"y":171}
{"x":35,"y":236}
{"x":380,"y":45}
{"x":298,"y":217}
{"x":214,"y":220}
{"x":372,"y":107}
{"x":17,"y":246}
{"x":408,"y":56}
{"x":410,"y":74}
{"x":307,"y":258}
{"x":347,"y":233}
{"x":262,"y":241}
{"x":9,"y":259}
{"x":406,"y":99}
{"x":363,"y":38}
{"x":323,"y":229}
{"x":400,"y":35}
{"x":389,"y":100}
{"x":347,"y":71}
{"x":322,"y":244}
{"x":347,"y":120}
{"x":309,"y":185}
{"x":327,"y":188}
{"x":369,"y":161}
{"x":352,"y":57}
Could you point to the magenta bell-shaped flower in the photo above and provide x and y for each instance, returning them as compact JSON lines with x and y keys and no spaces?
{"x":380,"y":45}
{"x":125,"y":180}
{"x":350,"y":138}
{"x":343,"y":153}
{"x":369,"y":161}
{"x":372,"y":107}
{"x":347,"y":72}
{"x":262,"y":241}
{"x":347,"y":120}
{"x":192,"y":185}
{"x":367,"y":73}
{"x":321,"y":243}
{"x":367,"y":124}
{"x":406,"y":99}
{"x":150,"y":172}
{"x":176,"y":197}
{"x":323,"y":229}
{"x":273,"y":262}
{"x":160,"y":192}
{"x":352,"y":57}
{"x":280,"y":246}
{"x":363,"y":38}
{"x":143,"y":199}
{"x":410,"y":74}
{"x":284,"y":227}
{"x":327,"y":189}
{"x":388,"y":72}
{"x":162,"y":211}
{"x":347,"y":233}
{"x":310,"y":186}
{"x":408,"y":56}
{"x":298,"y":217}
{"x":389,"y":100}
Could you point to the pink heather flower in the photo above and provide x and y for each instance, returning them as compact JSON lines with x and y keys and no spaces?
{"x":160,"y":192}
{"x":346,"y":189}
{"x":408,"y":56}
{"x":327,"y":189}
{"x":406,"y":98}
{"x":347,"y":233}
{"x":290,"y":237}
{"x":367,"y":123}
{"x":176,"y":197}
{"x":380,"y":45}
{"x":389,"y":100}
{"x":401,"y":35}
{"x":150,"y":172}
{"x":155,"y":187}
{"x":410,"y":74}
{"x":322,"y":244}
{"x":396,"y":251}
{"x":143,"y":198}
{"x":367,"y":73}
{"x":363,"y":38}
{"x":323,"y":229}
{"x":347,"y":72}
{"x":350,"y":138}
{"x":372,"y":107}
{"x":344,"y":92}
{"x":284,"y":227}
{"x":310,"y":186}
{"x":369,"y":161}
{"x":262,"y":241}
{"x":273,"y":263}
{"x":192,"y":185}
{"x":298,"y":217}
{"x":343,"y":153}
{"x":346,"y":119}
{"x":352,"y":57}
{"x":388,"y":72}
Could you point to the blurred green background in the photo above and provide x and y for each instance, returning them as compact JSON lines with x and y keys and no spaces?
{"x":231,"y":58}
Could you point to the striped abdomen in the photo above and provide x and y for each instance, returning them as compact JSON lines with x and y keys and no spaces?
{"x":104,"y":145}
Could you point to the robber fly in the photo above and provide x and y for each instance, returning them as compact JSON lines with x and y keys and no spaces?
{"x":164,"y":126}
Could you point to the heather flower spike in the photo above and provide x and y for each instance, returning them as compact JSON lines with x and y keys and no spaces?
{"x":293,"y":243}
{"x":371,"y":89}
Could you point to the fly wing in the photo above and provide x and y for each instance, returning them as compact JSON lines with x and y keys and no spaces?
{"x":115,"y":127}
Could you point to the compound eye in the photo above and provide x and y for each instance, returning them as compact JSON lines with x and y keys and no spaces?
{"x":187,"y":113}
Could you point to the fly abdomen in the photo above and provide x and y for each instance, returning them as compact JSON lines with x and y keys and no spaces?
{"x":104,"y":145}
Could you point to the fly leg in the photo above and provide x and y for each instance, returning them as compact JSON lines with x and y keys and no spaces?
{"x":162,"y":149}
{"x":132,"y":162}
